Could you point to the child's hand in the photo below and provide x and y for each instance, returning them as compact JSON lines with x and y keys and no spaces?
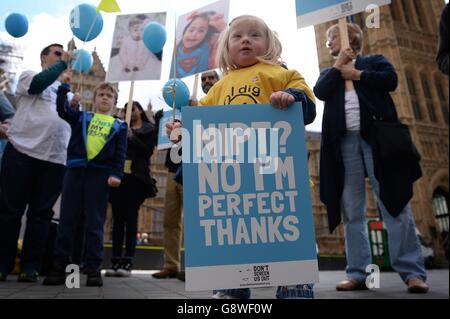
{"x":66,"y":77}
{"x":281,"y":100}
{"x":193,"y":102}
{"x":173,"y":130}
{"x":75,"y":100}
{"x":113,"y":181}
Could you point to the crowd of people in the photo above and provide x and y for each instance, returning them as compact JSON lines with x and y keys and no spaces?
{"x":92,"y":158}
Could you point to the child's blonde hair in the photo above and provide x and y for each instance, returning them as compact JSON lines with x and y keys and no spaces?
{"x":272,"y":56}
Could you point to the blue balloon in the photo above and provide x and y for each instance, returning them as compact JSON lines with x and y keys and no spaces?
{"x":16,"y":24}
{"x":182,"y":93}
{"x":85,"y":22}
{"x":154,"y":37}
{"x":83,"y":61}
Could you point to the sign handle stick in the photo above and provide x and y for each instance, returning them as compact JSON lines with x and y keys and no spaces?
{"x":345,"y":43}
{"x":130,"y":105}
{"x":195,"y":90}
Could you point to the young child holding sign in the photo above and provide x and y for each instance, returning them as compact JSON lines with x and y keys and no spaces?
{"x":95,"y":162}
{"x":250,"y":59}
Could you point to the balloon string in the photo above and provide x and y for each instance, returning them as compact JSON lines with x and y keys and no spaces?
{"x":80,"y":84}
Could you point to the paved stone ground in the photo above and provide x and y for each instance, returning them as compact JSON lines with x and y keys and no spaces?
{"x":142,"y":286}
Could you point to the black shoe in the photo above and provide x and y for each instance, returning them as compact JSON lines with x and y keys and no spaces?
{"x":125,"y":268}
{"x":113,"y":270}
{"x":181,"y":275}
{"x":55,"y":277}
{"x":94,"y":279}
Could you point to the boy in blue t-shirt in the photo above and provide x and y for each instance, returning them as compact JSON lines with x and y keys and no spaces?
{"x":95,"y":162}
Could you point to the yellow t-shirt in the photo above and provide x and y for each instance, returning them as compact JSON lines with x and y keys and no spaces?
{"x":97,"y":135}
{"x":254,"y":85}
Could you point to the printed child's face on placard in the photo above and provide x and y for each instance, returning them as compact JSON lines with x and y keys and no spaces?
{"x":104,"y":100}
{"x":247,"y":41}
{"x":196,"y":33}
{"x":136,"y":31}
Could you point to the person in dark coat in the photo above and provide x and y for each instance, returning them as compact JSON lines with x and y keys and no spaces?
{"x":442,"y":56}
{"x":348,"y":156}
{"x":136,"y":186}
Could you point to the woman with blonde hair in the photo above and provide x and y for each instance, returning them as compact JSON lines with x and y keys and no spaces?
{"x":349,"y":153}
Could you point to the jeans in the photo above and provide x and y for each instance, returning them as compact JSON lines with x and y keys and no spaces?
{"x":404,"y":248}
{"x":84,"y":190}
{"x":126,"y":201}
{"x":26,"y":181}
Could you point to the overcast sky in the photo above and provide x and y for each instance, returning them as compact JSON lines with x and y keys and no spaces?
{"x":49,"y":22}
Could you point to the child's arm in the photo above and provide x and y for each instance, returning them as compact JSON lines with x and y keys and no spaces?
{"x":296,"y":91}
{"x":309,"y":106}
{"x":120,"y":156}
{"x":63,"y":108}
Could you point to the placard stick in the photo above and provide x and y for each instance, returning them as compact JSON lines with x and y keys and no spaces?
{"x":195,"y":90}
{"x":345,"y":44}
{"x":174,"y":88}
{"x":130,"y":105}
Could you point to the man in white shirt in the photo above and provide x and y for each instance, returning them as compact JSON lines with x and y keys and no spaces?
{"x":33,"y":164}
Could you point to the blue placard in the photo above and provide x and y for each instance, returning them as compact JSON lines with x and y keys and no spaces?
{"x":314,"y":12}
{"x":307,"y":6}
{"x":238,"y":215}
{"x":163,"y":140}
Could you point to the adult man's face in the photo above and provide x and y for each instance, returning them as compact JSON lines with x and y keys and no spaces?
{"x":208,"y":80}
{"x":54,"y":56}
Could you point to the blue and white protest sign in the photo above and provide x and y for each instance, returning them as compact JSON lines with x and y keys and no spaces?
{"x":314,"y":12}
{"x":247,"y":203}
{"x":163,"y":140}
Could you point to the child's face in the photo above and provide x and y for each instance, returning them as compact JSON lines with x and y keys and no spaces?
{"x":136,"y":32}
{"x":196,"y":33}
{"x":104,"y":100}
{"x":247,"y":41}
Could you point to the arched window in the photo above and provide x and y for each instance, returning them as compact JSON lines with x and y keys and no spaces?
{"x":442,"y":99}
{"x":420,"y":12}
{"x":404,"y":5}
{"x":413,"y":94}
{"x":428,"y":98}
{"x":396,"y":15}
{"x":440,"y":209}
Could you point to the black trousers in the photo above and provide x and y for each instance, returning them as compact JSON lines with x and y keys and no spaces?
{"x":126,"y":201}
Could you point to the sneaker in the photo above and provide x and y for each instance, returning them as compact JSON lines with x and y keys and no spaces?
{"x":55,"y":277}
{"x":113,"y":270}
{"x":221,"y":295}
{"x":94,"y":279}
{"x":124,"y":269}
{"x":28,"y":277}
